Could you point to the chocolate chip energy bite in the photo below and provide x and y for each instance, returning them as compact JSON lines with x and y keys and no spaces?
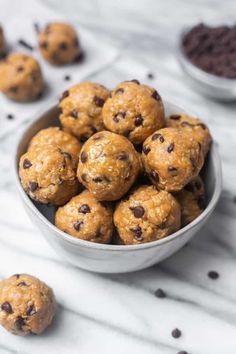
{"x":108,"y":165}
{"x":191,"y":200}
{"x":86,"y":218}
{"x":56,"y":137}
{"x":2,"y":43}
{"x":59,"y":44}
{"x":27,"y":305}
{"x":134,"y":110}
{"x":81,"y":109}
{"x":21,"y":77}
{"x":172,"y":158}
{"x":48,"y":175}
{"x":194,"y":126}
{"x":147,"y":215}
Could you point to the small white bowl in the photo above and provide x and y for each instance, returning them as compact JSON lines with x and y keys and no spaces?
{"x":114,"y":258}
{"x":216,"y":87}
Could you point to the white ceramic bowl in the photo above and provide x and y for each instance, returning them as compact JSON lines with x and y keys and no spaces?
{"x":113,"y":258}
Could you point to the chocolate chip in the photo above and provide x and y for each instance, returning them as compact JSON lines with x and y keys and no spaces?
{"x":156,"y":95}
{"x":19,"y":323}
{"x":150,"y":76}
{"x":146,"y":150}
{"x":19,"y":68}
{"x":30,"y":310}
{"x":33,"y":186}
{"x":64,"y":95}
{"x":17,"y":276}
{"x":84,"y":209}
{"x":186,"y":124}
{"x":13,"y":89}
{"x":25,"y":44}
{"x":84,"y":157}
{"x":138,"y":121}
{"x":77,"y":225}
{"x":6,"y":306}
{"x":154,"y":175}
{"x":43,"y":45}
{"x":26,"y":164}
{"x":212,"y":274}
{"x":116,"y":119}
{"x":10,"y":116}
{"x":22,"y":283}
{"x":176,"y":333}
{"x":63,"y":46}
{"x":97,"y":179}
{"x":138,"y":211}
{"x":137,"y":231}
{"x":66,"y":155}
{"x":74,"y":113}
{"x":175,"y":117}
{"x":193,"y":162}
{"x":173,"y":170}
{"x":67,"y":78}
{"x":160,"y":293}
{"x":122,"y":156}
{"x":84,"y":177}
{"x":158,"y":136}
{"x":135,"y":81}
{"x":119,"y":90}
{"x":127,"y":133}
{"x":98,"y":101}
{"x":171,"y":148}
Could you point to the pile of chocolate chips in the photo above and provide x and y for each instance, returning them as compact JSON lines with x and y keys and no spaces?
{"x":212,"y":49}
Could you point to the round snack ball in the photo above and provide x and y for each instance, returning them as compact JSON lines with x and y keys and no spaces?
{"x":86,"y":218}
{"x":81,"y":109}
{"x":48,"y":175}
{"x":148,"y":215}
{"x":2,"y":43}
{"x":134,"y":110}
{"x":108,"y":165}
{"x":55,"y":136}
{"x":58,"y":43}
{"x":191,"y":200}
{"x":194,"y":126}
{"x":21,"y":77}
{"x":172,"y":158}
{"x":27,"y":305}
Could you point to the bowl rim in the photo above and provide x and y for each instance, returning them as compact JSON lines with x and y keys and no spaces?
{"x":109,"y":247}
{"x":198,"y":73}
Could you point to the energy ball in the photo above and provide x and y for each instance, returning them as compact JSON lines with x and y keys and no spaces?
{"x":21,"y":78}
{"x":147,"y":215}
{"x":86,"y":218}
{"x":108,"y":165}
{"x":2,"y":44}
{"x":48,"y":175}
{"x":27,"y":305}
{"x":81,"y":109}
{"x":56,"y":137}
{"x":134,"y":110}
{"x":191,"y":200}
{"x":172,"y":158}
{"x":59,"y":44}
{"x":194,"y":126}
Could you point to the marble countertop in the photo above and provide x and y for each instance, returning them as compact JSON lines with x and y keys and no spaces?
{"x":119,"y":313}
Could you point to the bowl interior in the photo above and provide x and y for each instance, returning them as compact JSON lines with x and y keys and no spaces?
{"x":50,"y":118}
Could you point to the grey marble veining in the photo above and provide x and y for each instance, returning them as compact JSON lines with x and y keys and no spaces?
{"x":120,"y":313}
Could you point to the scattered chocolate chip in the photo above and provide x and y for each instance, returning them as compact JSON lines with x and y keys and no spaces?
{"x":119,"y":90}
{"x":186,"y":124}
{"x":19,"y":323}
{"x":173,"y":170}
{"x":135,"y":81}
{"x":98,"y":101}
{"x":36,"y":27}
{"x":22,"y":283}
{"x":171,"y":148}
{"x":84,"y":209}
{"x":84,"y":157}
{"x":26,"y":164}
{"x":138,"y":121}
{"x":201,"y":202}
{"x":150,"y":76}
{"x":158,"y":136}
{"x":63,"y":46}
{"x":175,"y":117}
{"x":43,"y":45}
{"x":160,"y":293}
{"x":30,"y":310}
{"x":146,"y":150}
{"x":77,"y":225}
{"x":154,"y":175}
{"x":156,"y":95}
{"x":10,"y":116}
{"x":17,"y":276}
{"x":84,"y":177}
{"x":122,"y":156}
{"x":33,"y":186}
{"x":74,"y":113}
{"x":80,"y":57}
{"x":66,"y":155}
{"x":19,"y":68}
{"x":6,"y":306}
{"x":97,"y":179}
{"x":138,"y":211}
{"x":67,"y":78}
{"x":176,"y":333}
{"x":64,"y":95}
{"x":25,"y":44}
{"x":116,"y":119}
{"x":127,"y":133}
{"x":137,"y":231}
{"x":212,"y":274}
